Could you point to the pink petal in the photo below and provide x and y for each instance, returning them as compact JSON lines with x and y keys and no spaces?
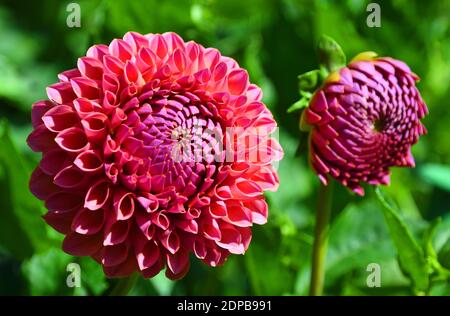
{"x":69,"y":177}
{"x":237,"y":81}
{"x":85,"y":88}
{"x":89,"y":161}
{"x":97,"y":195}
{"x":72,"y":139}
{"x":88,"y":222}
{"x":41,"y":185}
{"x":41,"y":139}
{"x":90,"y":67}
{"x":81,"y":245}
{"x":177,"y":262}
{"x":63,"y":202}
{"x":59,"y":118}
{"x":117,"y":233}
{"x":123,"y":204}
{"x":61,"y":93}
{"x":38,"y":110}
{"x":148,"y":255}
{"x":114,"y":255}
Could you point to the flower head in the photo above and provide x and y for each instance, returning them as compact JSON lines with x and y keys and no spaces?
{"x":139,"y":168}
{"x":364,"y":119}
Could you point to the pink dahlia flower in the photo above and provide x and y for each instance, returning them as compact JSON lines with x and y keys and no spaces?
{"x":364,"y":119}
{"x":139,"y":168}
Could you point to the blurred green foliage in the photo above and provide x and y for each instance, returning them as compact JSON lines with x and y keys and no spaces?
{"x":275,"y":40}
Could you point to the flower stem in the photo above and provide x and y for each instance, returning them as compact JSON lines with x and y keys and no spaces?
{"x":319,"y":253}
{"x":123,"y":286}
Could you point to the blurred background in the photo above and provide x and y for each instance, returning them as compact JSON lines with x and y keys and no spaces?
{"x":275,"y":40}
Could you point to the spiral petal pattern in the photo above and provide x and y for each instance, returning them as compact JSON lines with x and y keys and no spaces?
{"x":364,"y":119}
{"x":137,"y":169}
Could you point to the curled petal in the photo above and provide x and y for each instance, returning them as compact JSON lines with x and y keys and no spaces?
{"x":95,"y":127}
{"x":82,"y":245}
{"x":63,"y":202}
{"x":85,"y":88}
{"x":117,"y":233}
{"x":114,"y":255}
{"x":237,"y":81}
{"x":53,"y":161}
{"x":65,"y":76}
{"x":41,"y":139}
{"x":89,"y":161}
{"x":41,"y":184}
{"x":177,"y":262}
{"x":84,"y":107}
{"x":148,"y":255}
{"x":171,"y":241}
{"x":61,"y":222}
{"x":38,"y":110}
{"x":239,"y":215}
{"x":61,"y":93}
{"x":88,"y":222}
{"x":59,"y":118}
{"x":72,"y":139}
{"x":124,"y":205}
{"x":97,"y":195}
{"x":120,"y":49}
{"x":69,"y":177}
{"x":90,"y":67}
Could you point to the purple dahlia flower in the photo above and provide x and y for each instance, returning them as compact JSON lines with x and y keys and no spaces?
{"x":364,"y":120}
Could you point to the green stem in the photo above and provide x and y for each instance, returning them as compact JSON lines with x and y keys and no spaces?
{"x":319,"y":253}
{"x":124,"y":286}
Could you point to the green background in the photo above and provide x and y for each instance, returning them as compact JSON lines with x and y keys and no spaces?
{"x":275,"y":41}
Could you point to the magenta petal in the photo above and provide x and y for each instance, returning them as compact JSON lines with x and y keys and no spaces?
{"x":41,"y":139}
{"x":63,"y":202}
{"x":117,"y":233}
{"x":148,"y":256}
{"x":237,"y":81}
{"x":38,"y":110}
{"x":177,"y":262}
{"x":61,"y":93}
{"x":88,"y":222}
{"x":72,"y":139}
{"x":114,"y":255}
{"x":69,"y":177}
{"x":41,"y":184}
{"x":97,"y":195}
{"x":59,"y":118}
{"x":81,"y":245}
{"x":89,"y":161}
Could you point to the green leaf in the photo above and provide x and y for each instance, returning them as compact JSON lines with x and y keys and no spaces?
{"x":46,"y":273}
{"x":265,"y":275}
{"x":162,"y":284}
{"x":438,"y":270}
{"x":300,"y":104}
{"x":428,"y":239}
{"x":444,"y":255}
{"x":411,"y":256}
{"x":331,"y":55}
{"x":437,"y":175}
{"x":93,"y":279}
{"x":20,"y":246}
{"x":21,"y":204}
{"x":309,"y":81}
{"x":358,"y":237}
